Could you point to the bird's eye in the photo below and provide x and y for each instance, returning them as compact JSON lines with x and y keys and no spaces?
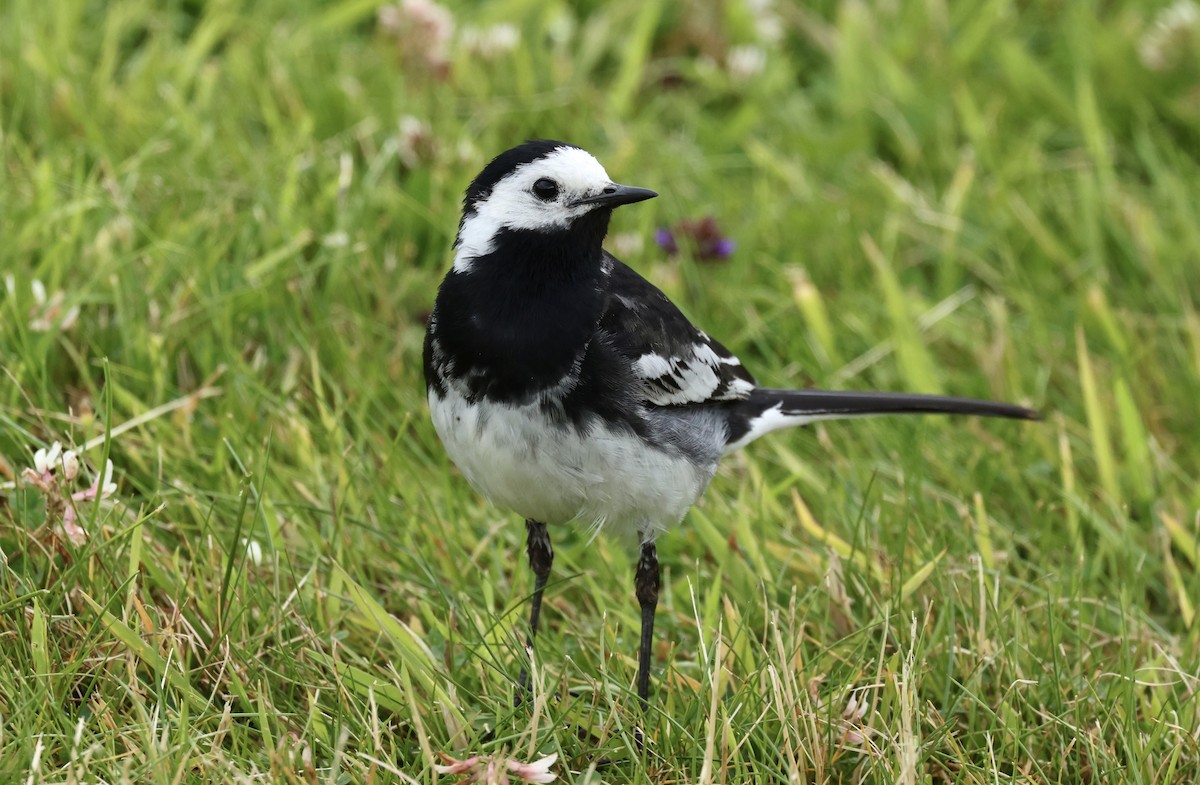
{"x":545,"y":189}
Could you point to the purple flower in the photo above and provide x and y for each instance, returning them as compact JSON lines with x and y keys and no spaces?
{"x":722,"y":248}
{"x":702,"y":237}
{"x":665,"y":240}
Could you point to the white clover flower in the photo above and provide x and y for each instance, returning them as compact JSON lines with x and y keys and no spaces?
{"x":492,"y":770}
{"x":42,"y":477}
{"x":538,"y":771}
{"x":48,"y":312}
{"x":767,"y":23}
{"x":415,"y":141}
{"x":70,"y":464}
{"x":69,"y":318}
{"x":44,"y":461}
{"x":254,"y":551}
{"x":102,"y":487}
{"x":492,"y":42}
{"x":71,"y":530}
{"x":422,"y":29}
{"x":466,"y":151}
{"x":561,"y":30}
{"x":106,"y":486}
{"x":338,"y":239}
{"x":1169,"y":35}
{"x":454,"y":766}
{"x":744,"y":62}
{"x":854,"y":731}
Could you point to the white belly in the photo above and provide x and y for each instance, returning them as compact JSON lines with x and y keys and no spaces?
{"x":605,"y":477}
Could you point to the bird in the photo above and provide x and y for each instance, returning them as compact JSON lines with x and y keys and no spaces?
{"x":567,"y":388}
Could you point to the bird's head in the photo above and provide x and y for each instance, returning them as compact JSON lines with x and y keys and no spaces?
{"x":540,"y":190}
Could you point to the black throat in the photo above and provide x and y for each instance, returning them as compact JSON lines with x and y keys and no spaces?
{"x":517,"y":321}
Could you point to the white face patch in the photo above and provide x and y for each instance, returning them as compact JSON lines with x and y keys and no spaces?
{"x":513,"y":205}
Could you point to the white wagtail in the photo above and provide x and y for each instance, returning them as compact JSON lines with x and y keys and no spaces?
{"x":566,"y":387}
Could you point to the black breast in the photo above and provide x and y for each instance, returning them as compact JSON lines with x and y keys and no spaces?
{"x":519,"y":320}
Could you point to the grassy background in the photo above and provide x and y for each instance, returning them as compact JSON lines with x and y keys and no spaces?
{"x":980,"y":198}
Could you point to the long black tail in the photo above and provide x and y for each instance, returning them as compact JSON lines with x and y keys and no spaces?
{"x":834,"y":403}
{"x":768,"y":410}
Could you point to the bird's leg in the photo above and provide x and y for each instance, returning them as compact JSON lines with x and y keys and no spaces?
{"x":541,"y":556}
{"x":647,"y":582}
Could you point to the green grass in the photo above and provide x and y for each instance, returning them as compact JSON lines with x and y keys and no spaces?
{"x":978,"y":198}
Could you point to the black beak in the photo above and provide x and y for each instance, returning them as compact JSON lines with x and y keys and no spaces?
{"x":615,"y":195}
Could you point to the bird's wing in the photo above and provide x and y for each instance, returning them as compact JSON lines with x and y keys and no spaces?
{"x":675,"y":363}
